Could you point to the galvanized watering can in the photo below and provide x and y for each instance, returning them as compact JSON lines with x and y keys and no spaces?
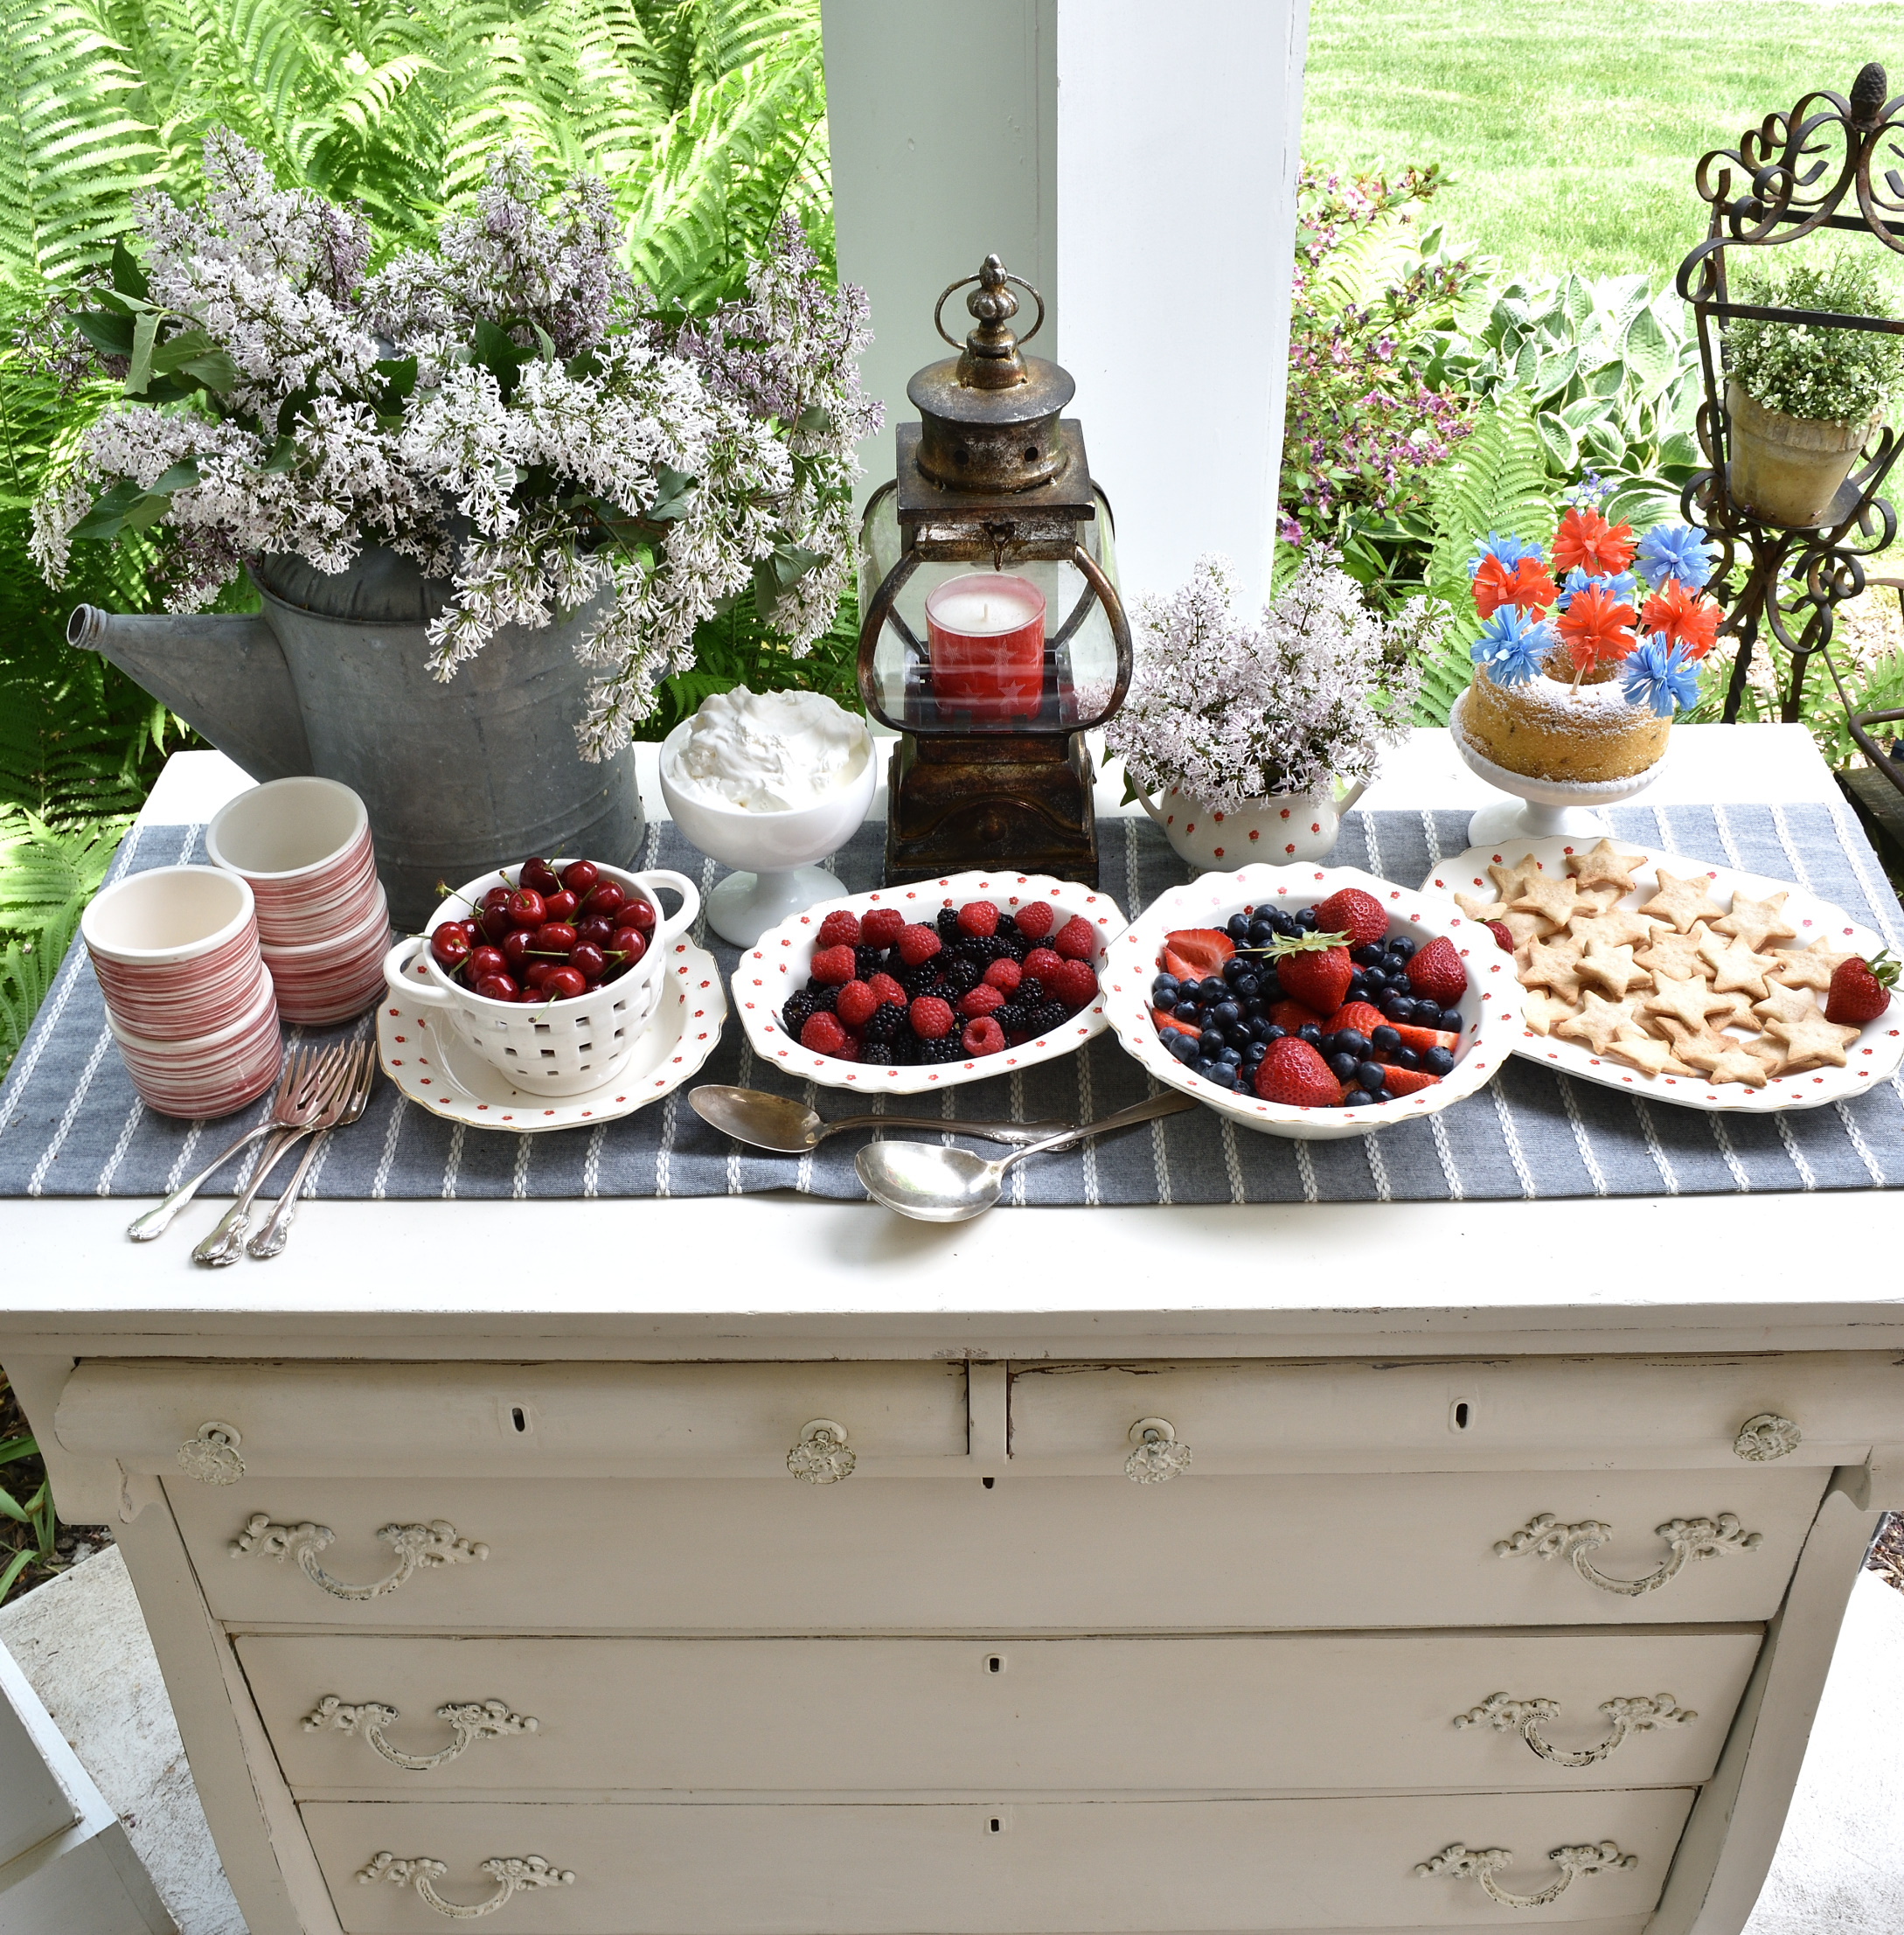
{"x":333,"y":679}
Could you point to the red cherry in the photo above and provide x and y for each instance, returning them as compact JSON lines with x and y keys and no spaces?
{"x":472,"y":931}
{"x":525,"y":907}
{"x":539,"y":877}
{"x":607,"y":899}
{"x":597,"y":930}
{"x":559,"y":907}
{"x":486,"y":960}
{"x":539,"y":972}
{"x":640,"y":913}
{"x":580,"y":875}
{"x":629,"y":941}
{"x":515,"y":948}
{"x":496,"y":987}
{"x":449,"y":945}
{"x":589,"y":960}
{"x":563,"y":984}
{"x":554,"y":937}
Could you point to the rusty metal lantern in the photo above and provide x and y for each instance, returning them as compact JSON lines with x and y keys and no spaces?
{"x":992,"y":476}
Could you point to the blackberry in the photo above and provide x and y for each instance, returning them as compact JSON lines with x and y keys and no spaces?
{"x":1009,"y":1015}
{"x":920,"y":979}
{"x":795,"y":1015}
{"x":946,"y":1049}
{"x":985,"y":949}
{"x":885,"y":1022}
{"x":1030,"y":991}
{"x":903,"y":1050}
{"x":964,"y":975}
{"x":1007,"y":930}
{"x":868,"y":961}
{"x":822,"y":999}
{"x":947,"y":924}
{"x":1047,"y":1016}
{"x":1015,"y":944}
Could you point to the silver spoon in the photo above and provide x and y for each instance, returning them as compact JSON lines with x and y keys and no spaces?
{"x":935,"y":1184}
{"x":790,"y":1128}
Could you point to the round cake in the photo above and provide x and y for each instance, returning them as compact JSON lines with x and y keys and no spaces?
{"x":1549,"y":728}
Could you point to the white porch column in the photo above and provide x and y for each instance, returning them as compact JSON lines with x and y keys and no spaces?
{"x":1137,"y":164}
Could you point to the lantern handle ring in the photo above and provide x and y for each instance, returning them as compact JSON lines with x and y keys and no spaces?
{"x":979,"y":276}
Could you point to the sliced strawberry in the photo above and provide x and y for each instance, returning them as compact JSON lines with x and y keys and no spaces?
{"x":1422,"y":1039}
{"x":1289,"y":1015}
{"x":1401,"y":1081}
{"x":1196,"y":953}
{"x":1360,"y":1017}
{"x":1168,"y":1023}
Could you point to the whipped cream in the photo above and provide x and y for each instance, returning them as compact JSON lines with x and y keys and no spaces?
{"x":771,"y":752}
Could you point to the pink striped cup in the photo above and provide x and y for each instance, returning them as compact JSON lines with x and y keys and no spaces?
{"x":212,"y":1075}
{"x":304,"y":845}
{"x":330,"y":981}
{"x":178,"y":1001}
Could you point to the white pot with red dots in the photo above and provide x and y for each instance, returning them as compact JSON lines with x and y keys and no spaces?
{"x":1275,"y":832}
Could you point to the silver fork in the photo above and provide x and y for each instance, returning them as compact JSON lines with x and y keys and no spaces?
{"x":307,"y":1079}
{"x":222,"y":1247}
{"x":346,"y":1106}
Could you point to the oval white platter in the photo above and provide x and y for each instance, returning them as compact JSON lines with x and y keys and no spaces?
{"x":1873,"y":1057}
{"x":777,"y":966}
{"x":439,"y":1073}
{"x":1491,"y":1008}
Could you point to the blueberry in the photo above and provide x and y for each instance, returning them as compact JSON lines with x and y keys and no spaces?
{"x":1401,"y":947}
{"x":1238,"y":1035}
{"x":1237,"y":927}
{"x":1262,"y":931}
{"x":1209,"y":1042}
{"x":1236,"y":968}
{"x":1451,"y":1020}
{"x":1269,"y":988}
{"x":1163,"y":999}
{"x":1357,"y":990}
{"x":1214,"y":989}
{"x":1438,"y":1062}
{"x":1343,"y":1066}
{"x":1229,"y":1052}
{"x":1357,"y":1098}
{"x":1364,"y":955}
{"x":1310,"y":1032}
{"x":1181,"y":1046}
{"x":1272,"y":1032}
{"x":1222,"y":1072}
{"x":1254,"y":1052}
{"x":1246,"y":986}
{"x":1225,"y":1014}
{"x":1374,"y":983}
{"x":1305,"y":920}
{"x":1351,"y":1041}
{"x":1398,"y":1008}
{"x":1406,"y":1058}
{"x":1383,"y":1040}
{"x":1262,"y":1029}
{"x":1428,"y":1015}
{"x":1164,"y":982}
{"x":1371,"y":1076}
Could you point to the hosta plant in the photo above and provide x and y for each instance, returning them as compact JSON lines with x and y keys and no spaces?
{"x":506,"y":408}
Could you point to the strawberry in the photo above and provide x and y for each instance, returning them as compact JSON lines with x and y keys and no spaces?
{"x":1292,"y":1073}
{"x":1195,"y":953}
{"x":1421,"y":1039}
{"x":1357,"y":915}
{"x":1436,"y":972}
{"x":1173,"y":1023}
{"x":1401,"y":1081}
{"x":1313,"y":969}
{"x":1860,"y":990}
{"x":1290,"y":1015}
{"x":1359,"y":1018}
{"x":1503,"y":934}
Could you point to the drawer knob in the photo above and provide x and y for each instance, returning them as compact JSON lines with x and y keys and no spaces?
{"x":1157,"y":1454}
{"x":1766,"y":1437}
{"x":1639,"y":1714}
{"x":470,"y":1721}
{"x":1480,"y":1864}
{"x":1546,"y":1538}
{"x":415,"y":1546}
{"x":821,"y":1456}
{"x":513,"y":1874}
{"x":211,"y":1457}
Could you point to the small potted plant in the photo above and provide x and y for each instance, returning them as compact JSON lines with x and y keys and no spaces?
{"x":1802,"y":400}
{"x":1246,"y":741}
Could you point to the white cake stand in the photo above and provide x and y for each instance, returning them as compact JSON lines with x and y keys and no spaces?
{"x":1541,"y":808}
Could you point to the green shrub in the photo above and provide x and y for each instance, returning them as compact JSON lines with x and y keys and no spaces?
{"x":1823,"y":375}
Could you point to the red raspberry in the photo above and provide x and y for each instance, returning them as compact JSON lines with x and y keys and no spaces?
{"x":848,"y":1050}
{"x":917,"y":945}
{"x":833,"y":966}
{"x":856,"y":1004}
{"x":1075,"y":939}
{"x":823,"y":1035}
{"x":979,"y":918}
{"x":1003,"y":975}
{"x":930,"y":1017}
{"x":1042,"y":963}
{"x":881,"y":927}
{"x":840,"y":930}
{"x":1035,"y":920}
{"x":982,"y":1037}
{"x":981,"y":1001}
{"x":1073,"y":984}
{"x":891,"y":994}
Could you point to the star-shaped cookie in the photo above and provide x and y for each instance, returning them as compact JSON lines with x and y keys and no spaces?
{"x":1605,"y":866}
{"x":1682,"y":901}
{"x":1811,"y":1041}
{"x":1618,"y":926}
{"x":1809,"y":967}
{"x":1685,"y":998}
{"x":1540,"y":1011}
{"x":1784,"y":1004}
{"x":1479,"y":907}
{"x":1735,"y":965}
{"x":1610,"y":969}
{"x":1757,"y":921}
{"x":1726,"y":1061}
{"x":1523,"y":926}
{"x":1646,"y":1053}
{"x":1597,"y":1023}
{"x":1552,"y":899}
{"x":1553,"y":965}
{"x":1669,"y":953}
{"x":1510,"y":882}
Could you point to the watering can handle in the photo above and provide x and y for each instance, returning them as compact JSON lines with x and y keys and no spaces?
{"x":408,"y":986}
{"x":678,"y":922}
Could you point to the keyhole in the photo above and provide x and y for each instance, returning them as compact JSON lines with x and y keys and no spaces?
{"x":518,"y":1417}
{"x":1461,"y":1413}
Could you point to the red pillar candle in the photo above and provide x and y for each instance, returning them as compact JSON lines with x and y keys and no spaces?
{"x":987,"y":631}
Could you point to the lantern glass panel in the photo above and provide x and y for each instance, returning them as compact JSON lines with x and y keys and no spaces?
{"x":1076,"y":670}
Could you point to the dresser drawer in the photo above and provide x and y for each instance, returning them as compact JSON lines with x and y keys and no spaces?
{"x":778,"y":1557}
{"x":515,"y":1420}
{"x":802,"y":1869}
{"x":1525,"y":1414}
{"x":1296,"y":1713}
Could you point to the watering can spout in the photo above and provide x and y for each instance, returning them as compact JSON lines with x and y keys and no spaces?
{"x":225,"y":675}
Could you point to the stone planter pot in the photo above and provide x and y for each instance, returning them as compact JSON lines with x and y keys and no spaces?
{"x":1285,"y":827}
{"x":333,"y":679}
{"x":1788,"y":468}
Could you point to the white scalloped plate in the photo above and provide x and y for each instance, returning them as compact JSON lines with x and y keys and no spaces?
{"x":1491,"y":1008}
{"x":777,"y":966}
{"x":439,"y":1073}
{"x":1875,"y":1056}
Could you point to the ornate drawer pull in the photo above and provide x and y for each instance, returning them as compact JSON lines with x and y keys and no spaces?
{"x":511,"y":1873}
{"x":1479,"y":1864}
{"x":211,"y":1457}
{"x":435,"y":1543}
{"x":1639,"y":1714}
{"x":822,"y":1455}
{"x":1766,"y":1437}
{"x":1158,"y":1453}
{"x":1546,"y":1538}
{"x":471,"y":1720}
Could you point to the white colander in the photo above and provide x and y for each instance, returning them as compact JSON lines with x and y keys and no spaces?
{"x":548,"y":1048}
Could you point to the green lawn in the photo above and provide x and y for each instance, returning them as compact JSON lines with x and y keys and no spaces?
{"x":1571,"y":133}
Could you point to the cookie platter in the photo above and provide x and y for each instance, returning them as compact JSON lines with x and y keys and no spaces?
{"x":1688,"y":959}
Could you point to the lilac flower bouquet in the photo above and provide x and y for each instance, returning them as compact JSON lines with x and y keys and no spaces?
{"x":1231,"y":712}
{"x":507,"y":409}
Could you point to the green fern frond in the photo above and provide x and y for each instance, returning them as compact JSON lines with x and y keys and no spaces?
{"x":1496,"y":480}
